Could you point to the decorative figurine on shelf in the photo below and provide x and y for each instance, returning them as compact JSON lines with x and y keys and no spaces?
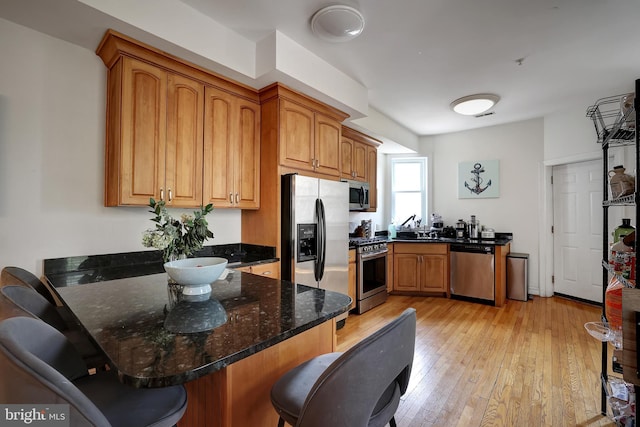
{"x":177,"y":238}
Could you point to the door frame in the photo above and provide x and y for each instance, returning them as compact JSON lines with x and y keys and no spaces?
{"x":546,"y":254}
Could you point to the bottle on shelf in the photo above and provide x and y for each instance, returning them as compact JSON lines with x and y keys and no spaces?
{"x":621,"y":184}
{"x":623,"y":230}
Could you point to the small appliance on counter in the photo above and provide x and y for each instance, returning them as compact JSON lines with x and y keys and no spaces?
{"x":436,"y":223}
{"x":461,"y":229}
{"x":448,"y":232}
{"x":488,"y":233}
{"x":474,"y":228}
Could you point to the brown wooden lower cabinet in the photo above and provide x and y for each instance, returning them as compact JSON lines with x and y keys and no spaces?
{"x":421,"y":268}
{"x":271,"y":269}
{"x":239,"y":395}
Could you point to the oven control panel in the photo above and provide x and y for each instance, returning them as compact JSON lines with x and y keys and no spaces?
{"x":373,"y":247}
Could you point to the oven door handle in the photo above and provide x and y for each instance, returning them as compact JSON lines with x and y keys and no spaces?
{"x":377,"y":254}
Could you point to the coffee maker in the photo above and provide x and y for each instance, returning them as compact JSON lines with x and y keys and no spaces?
{"x":461,"y":229}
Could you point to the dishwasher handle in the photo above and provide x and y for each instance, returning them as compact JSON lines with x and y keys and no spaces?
{"x":475,"y":249}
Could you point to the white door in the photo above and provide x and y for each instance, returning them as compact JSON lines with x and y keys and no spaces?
{"x":577,"y":221}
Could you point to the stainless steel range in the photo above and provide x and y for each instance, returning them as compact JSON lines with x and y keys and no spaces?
{"x":371,"y":272}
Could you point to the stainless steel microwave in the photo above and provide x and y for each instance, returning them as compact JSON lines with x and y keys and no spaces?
{"x":358,"y":195}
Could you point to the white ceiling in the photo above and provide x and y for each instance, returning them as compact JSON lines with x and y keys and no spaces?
{"x":416,"y":56}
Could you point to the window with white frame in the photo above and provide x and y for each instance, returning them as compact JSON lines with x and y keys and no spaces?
{"x":408,"y":188}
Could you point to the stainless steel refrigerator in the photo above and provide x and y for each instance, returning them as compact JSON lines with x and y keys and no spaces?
{"x":315,"y":233}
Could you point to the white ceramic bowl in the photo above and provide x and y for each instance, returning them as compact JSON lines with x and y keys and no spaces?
{"x":196,"y":274}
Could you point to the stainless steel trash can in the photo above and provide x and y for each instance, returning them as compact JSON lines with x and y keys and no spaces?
{"x":517,"y":276}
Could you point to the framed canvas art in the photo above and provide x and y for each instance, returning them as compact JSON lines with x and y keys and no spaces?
{"x":479,"y":179}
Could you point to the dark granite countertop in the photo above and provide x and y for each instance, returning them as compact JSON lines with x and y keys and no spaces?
{"x":500,"y":239}
{"x":452,"y":241}
{"x":78,"y":270}
{"x":154,"y":338}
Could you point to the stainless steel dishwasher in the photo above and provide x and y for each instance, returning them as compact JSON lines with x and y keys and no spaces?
{"x":473,"y":271}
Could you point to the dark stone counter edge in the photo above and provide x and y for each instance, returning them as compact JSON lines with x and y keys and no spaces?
{"x":479,"y":242}
{"x":223,"y":363}
{"x":78,"y":270}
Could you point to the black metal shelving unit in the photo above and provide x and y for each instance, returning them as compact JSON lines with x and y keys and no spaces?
{"x":612,"y":123}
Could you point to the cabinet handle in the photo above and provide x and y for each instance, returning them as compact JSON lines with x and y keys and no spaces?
{"x":231,"y":198}
{"x":237,"y":198}
{"x":170,"y":196}
{"x":162,"y":194}
{"x":266,"y":273}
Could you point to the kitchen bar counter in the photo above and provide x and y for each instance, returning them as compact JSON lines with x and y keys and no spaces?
{"x":155,"y":338}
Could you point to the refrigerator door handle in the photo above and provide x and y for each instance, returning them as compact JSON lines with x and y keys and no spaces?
{"x":316,"y":262}
{"x":318,"y":269}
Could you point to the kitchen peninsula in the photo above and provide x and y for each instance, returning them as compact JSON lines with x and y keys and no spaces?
{"x":227,"y":350}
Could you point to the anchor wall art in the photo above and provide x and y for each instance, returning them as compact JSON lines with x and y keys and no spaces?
{"x":479,"y":179}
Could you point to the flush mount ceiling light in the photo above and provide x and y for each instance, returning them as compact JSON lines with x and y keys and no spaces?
{"x":337,"y":23}
{"x":474,"y":104}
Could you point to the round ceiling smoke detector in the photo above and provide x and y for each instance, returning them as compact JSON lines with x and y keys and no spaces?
{"x":337,"y":23}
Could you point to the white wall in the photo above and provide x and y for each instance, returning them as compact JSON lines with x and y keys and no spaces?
{"x":569,"y":137}
{"x":52,"y":121}
{"x":519,"y":148}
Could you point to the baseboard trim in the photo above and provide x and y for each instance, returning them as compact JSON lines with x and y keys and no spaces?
{"x":582,"y":300}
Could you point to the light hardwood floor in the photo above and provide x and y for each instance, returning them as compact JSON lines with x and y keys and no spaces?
{"x":525,"y":364}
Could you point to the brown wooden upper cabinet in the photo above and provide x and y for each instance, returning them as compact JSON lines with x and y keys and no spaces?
{"x":154,"y":142}
{"x":359,"y":161}
{"x":310,"y":140}
{"x":231,"y":151}
{"x":354,"y":159}
{"x":176,"y":132}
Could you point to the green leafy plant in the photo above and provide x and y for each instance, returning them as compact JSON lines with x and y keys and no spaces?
{"x":177,"y":237}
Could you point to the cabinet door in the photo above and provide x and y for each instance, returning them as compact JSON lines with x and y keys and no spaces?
{"x":247,"y":156}
{"x":183,"y":165}
{"x":372,"y":176}
{"x":433,"y":273}
{"x":143,"y":130}
{"x":327,"y":145}
{"x":390,"y":276}
{"x":360,"y":161}
{"x":405,"y":270}
{"x":346,"y":160}
{"x":352,"y":277}
{"x":296,"y":136}
{"x":269,"y":269}
{"x":218,"y":150}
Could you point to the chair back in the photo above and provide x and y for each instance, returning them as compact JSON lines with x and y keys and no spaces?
{"x":367,"y":379}
{"x":38,"y":365}
{"x":28,"y":300}
{"x":19,"y":276}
